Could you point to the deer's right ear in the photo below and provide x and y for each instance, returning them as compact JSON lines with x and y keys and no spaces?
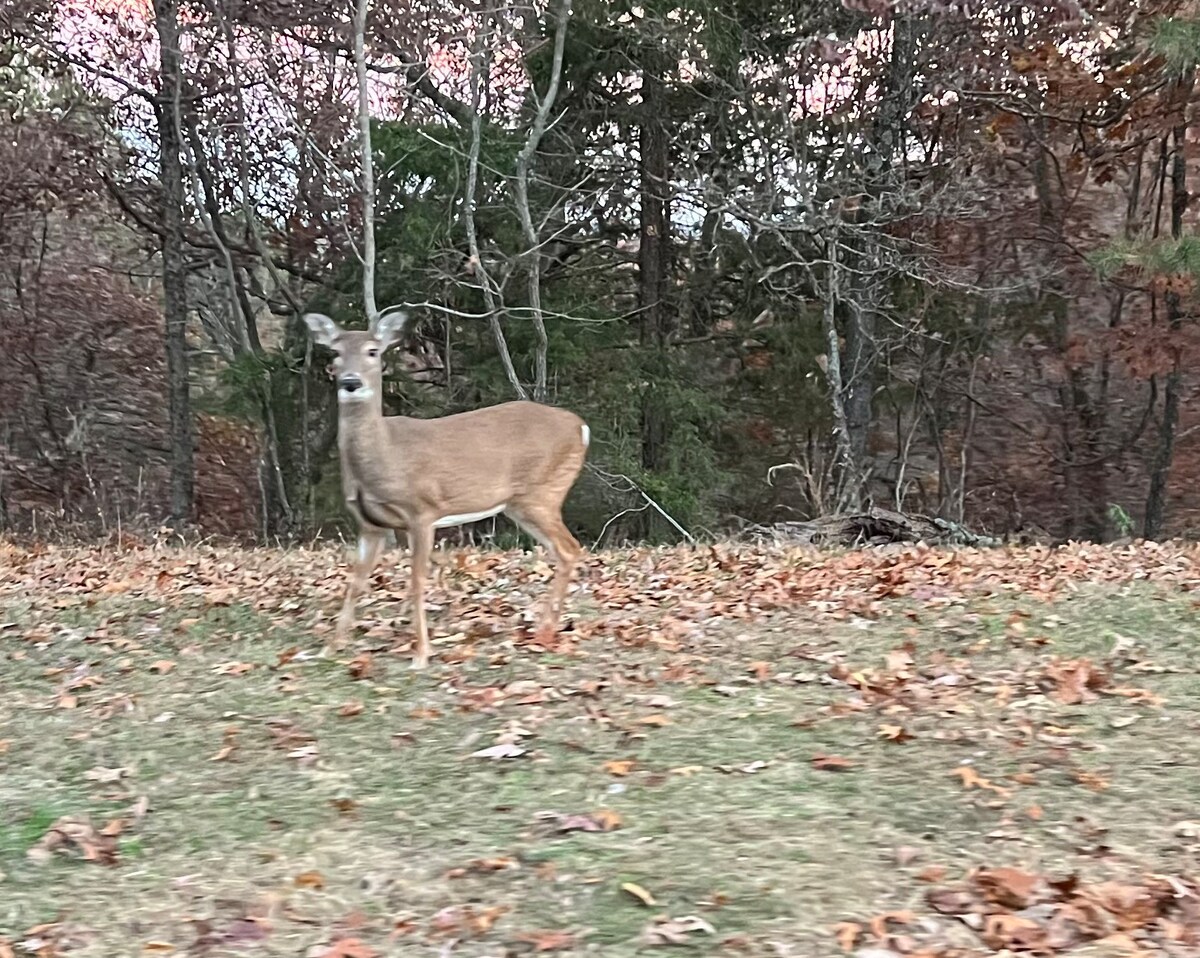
{"x":321,"y":328}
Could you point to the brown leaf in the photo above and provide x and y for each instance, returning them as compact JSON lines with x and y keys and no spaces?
{"x":847,"y":934}
{"x":350,"y":709}
{"x":972,"y":779}
{"x":654,"y":720}
{"x":361,"y":666}
{"x":483,"y":866}
{"x":895,"y":733}
{"x":349,"y":948}
{"x":620,"y":766}
{"x":1090,"y":780}
{"x":878,"y":924}
{"x":604,"y":820}
{"x":932,"y":873}
{"x":309,"y":879}
{"x":233,"y":668}
{"x":831,"y":763}
{"x":162,"y":666}
{"x":1007,"y":931}
{"x":1010,"y":887}
{"x":543,"y":941}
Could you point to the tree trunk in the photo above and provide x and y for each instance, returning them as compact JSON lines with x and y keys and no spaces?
{"x":654,"y":263}
{"x":1160,"y":472}
{"x":173,"y":266}
{"x":860,"y":361}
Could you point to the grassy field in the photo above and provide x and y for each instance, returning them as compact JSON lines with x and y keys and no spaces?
{"x":731,"y":752}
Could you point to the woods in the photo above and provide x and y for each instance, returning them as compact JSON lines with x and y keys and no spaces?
{"x":925,"y":257}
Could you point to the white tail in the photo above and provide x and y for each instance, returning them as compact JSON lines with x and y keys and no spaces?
{"x":519,"y":458}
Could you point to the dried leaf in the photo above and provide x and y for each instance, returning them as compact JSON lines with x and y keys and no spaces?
{"x":503,"y":750}
{"x":637,"y":891}
{"x":831,"y":763}
{"x":349,"y":948}
{"x":675,"y":931}
{"x":543,"y":941}
{"x":620,"y":767}
{"x":1010,"y":887}
{"x":847,"y":934}
{"x":309,"y":879}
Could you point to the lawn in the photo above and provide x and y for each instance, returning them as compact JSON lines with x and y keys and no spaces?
{"x":732,"y":751}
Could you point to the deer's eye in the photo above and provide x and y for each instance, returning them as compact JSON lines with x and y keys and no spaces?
{"x":372,"y":352}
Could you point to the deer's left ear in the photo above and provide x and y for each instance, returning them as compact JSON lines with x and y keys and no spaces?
{"x":391,"y":327}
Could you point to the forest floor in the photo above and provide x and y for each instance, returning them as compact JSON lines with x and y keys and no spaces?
{"x":734,"y":751}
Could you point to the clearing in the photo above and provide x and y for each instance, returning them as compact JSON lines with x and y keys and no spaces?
{"x":735,"y":751}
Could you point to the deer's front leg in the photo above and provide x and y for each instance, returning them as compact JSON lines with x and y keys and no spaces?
{"x":420,"y":541}
{"x":370,"y":542}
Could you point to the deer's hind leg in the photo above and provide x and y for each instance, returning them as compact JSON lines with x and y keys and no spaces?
{"x":544,"y":523}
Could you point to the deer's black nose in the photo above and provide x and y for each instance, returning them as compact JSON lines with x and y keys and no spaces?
{"x":350,"y":382}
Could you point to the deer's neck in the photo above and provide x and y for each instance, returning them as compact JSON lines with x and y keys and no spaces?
{"x":361,"y":437}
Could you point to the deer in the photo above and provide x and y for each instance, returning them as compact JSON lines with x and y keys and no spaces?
{"x":402,"y":474}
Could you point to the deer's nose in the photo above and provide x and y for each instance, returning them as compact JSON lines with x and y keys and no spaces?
{"x":350,"y":382}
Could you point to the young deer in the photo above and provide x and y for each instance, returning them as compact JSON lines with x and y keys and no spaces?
{"x":519,"y":458}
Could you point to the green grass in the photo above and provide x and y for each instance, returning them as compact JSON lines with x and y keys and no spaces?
{"x":772,"y":857}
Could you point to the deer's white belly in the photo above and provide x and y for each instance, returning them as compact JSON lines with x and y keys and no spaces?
{"x":445,"y":522}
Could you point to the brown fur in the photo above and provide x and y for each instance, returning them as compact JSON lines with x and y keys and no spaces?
{"x":404,"y":473}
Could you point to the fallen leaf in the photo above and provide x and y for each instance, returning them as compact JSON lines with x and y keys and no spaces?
{"x":309,"y":879}
{"x":831,"y":763}
{"x":158,"y":947}
{"x":503,"y":750}
{"x":1010,"y":887}
{"x":361,"y":666}
{"x":972,"y":779}
{"x":604,"y":820}
{"x":349,"y":948}
{"x":637,"y":891}
{"x":105,"y":776}
{"x":543,"y":941}
{"x":350,"y":709}
{"x":879,"y":924}
{"x":654,"y":720}
{"x":932,"y":873}
{"x":162,"y":667}
{"x":1014,"y":932}
{"x":620,"y":767}
{"x":675,"y":931}
{"x":847,"y":934}
{"x":895,"y":733}
{"x":1090,"y":780}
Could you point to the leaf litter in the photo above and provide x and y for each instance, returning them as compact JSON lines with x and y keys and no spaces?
{"x":909,"y":691}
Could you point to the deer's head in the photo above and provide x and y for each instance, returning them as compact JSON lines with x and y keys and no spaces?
{"x":358,"y":355}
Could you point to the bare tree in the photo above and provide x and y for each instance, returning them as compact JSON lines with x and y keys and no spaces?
{"x":174,"y":270}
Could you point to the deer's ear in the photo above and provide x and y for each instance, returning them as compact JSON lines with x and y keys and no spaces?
{"x":321,"y":328}
{"x":391,"y":327}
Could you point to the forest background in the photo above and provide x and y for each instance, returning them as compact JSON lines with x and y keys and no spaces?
{"x":934,"y":257}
